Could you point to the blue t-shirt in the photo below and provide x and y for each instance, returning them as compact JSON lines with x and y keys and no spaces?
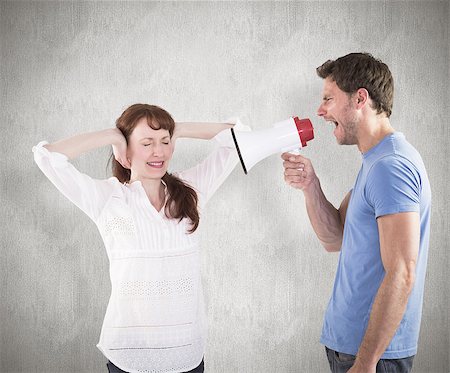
{"x":392,"y":179}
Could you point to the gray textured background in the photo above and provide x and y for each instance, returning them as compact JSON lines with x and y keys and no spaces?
{"x":70,"y":67}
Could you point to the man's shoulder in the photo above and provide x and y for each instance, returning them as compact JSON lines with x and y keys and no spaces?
{"x":395,"y":166}
{"x":396,"y":154}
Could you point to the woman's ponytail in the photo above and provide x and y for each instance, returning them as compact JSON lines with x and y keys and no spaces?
{"x":182,"y":201}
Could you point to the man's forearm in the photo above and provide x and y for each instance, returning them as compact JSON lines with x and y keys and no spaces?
{"x":324,"y":217}
{"x":387,"y":312}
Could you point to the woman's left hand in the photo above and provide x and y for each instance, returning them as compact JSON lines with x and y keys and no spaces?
{"x":119,"y":146}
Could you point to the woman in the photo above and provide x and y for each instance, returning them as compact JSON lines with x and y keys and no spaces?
{"x":148,"y":220}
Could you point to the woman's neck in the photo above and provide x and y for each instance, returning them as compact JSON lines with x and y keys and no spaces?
{"x":155,"y":191}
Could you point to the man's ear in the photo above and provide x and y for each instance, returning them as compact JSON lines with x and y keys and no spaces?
{"x":361,"y":96}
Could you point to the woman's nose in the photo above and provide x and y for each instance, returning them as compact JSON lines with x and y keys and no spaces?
{"x":157,"y":149}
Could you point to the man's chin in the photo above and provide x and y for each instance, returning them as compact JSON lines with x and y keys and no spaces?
{"x":339,"y":141}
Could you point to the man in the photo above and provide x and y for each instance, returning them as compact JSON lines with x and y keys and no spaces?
{"x":381,"y":227}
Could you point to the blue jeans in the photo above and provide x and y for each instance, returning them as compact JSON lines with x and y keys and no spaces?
{"x":113,"y":369}
{"x":341,"y":363}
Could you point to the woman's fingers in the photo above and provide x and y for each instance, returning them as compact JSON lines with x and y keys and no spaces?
{"x":120,"y":155}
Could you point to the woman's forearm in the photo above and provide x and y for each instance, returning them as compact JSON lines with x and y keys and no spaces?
{"x":73,"y":146}
{"x":200,"y":130}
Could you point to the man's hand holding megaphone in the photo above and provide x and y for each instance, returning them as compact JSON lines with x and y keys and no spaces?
{"x":298,"y":171}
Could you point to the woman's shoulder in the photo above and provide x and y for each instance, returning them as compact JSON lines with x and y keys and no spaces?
{"x":115,"y":183}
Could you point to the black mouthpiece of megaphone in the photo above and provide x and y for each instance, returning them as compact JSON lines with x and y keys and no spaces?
{"x":285,"y":136}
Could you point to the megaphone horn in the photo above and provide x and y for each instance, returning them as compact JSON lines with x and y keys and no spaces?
{"x":285,"y":136}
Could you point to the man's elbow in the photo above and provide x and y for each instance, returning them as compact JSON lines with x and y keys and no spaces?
{"x":410,"y":277}
{"x":406,"y":276}
{"x":332,"y":247}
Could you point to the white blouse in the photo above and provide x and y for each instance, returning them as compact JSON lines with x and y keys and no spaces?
{"x":155,"y":320}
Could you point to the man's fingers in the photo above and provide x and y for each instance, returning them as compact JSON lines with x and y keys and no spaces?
{"x":293,"y":179}
{"x":294,"y":172}
{"x":293,"y":157}
{"x":294,"y":165}
{"x":296,"y":185}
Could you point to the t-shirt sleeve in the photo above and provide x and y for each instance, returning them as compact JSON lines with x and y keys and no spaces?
{"x":208,"y":176}
{"x":393,"y":186}
{"x":89,"y":194}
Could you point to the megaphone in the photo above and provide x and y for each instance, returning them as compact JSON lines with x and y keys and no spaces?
{"x":285,"y":136}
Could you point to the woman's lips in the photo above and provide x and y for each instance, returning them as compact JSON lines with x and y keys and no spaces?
{"x":156,"y":164}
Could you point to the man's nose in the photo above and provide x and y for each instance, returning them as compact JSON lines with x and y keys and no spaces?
{"x":321,"y":111}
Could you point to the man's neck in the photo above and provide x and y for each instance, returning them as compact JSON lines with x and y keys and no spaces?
{"x":373,"y":131}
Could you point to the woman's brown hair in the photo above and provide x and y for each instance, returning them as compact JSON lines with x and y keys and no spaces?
{"x":182,"y":199}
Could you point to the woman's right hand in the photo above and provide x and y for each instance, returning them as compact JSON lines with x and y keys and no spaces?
{"x":119,"y":146}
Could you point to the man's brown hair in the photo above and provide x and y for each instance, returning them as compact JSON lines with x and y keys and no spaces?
{"x":362,"y":70}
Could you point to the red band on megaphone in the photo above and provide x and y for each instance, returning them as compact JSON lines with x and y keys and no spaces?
{"x":305,"y":130}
